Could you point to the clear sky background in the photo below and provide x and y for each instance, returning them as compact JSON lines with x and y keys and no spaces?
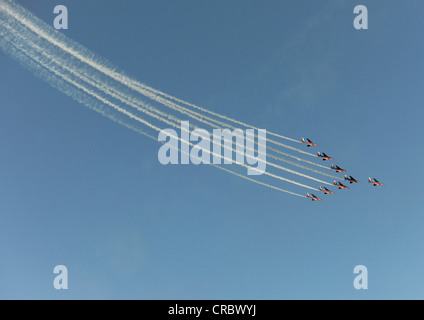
{"x":78,"y":189}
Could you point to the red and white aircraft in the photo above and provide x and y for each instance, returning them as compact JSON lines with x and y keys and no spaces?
{"x":340,"y":185}
{"x":338,"y":169}
{"x":324,"y":157}
{"x":313,"y":197}
{"x":375,"y":182}
{"x":309,"y":142}
{"x":351,"y":179}
{"x":325,"y":190}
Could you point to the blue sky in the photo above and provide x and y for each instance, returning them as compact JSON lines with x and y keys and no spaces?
{"x":78,"y":189}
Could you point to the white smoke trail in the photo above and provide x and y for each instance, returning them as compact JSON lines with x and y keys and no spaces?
{"x":227,"y":170}
{"x":35,"y":63}
{"x":119,"y":76}
{"x":105,"y":89}
{"x":56,"y":82}
{"x":304,"y":167}
{"x":200,"y":117}
{"x":158,"y":92}
{"x":221,"y":168}
{"x":82,"y":53}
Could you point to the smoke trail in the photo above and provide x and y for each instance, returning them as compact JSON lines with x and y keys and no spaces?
{"x":303,"y":167}
{"x":91,"y":103}
{"x":118,"y":77}
{"x":105,"y":89}
{"x":200,"y":117}
{"x":224,"y":169}
{"x":158,"y":92}
{"x":72,"y":48}
{"x":44,"y":72}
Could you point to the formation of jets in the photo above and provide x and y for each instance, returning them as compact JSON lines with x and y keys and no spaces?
{"x":336,"y":168}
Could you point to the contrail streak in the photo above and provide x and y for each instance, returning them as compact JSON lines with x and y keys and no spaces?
{"x":105,"y":89}
{"x":37,"y":63}
{"x":125,"y":80}
{"x":90,"y":104}
{"x":20,"y":14}
{"x":224,"y":169}
{"x":158,"y":92}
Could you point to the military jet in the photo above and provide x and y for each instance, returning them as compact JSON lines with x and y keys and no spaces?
{"x":309,"y":142}
{"x":340,"y":185}
{"x":313,"y":197}
{"x":338,"y":169}
{"x":325,"y":190}
{"x":324,"y":157}
{"x":351,"y":179}
{"x":375,"y":182}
